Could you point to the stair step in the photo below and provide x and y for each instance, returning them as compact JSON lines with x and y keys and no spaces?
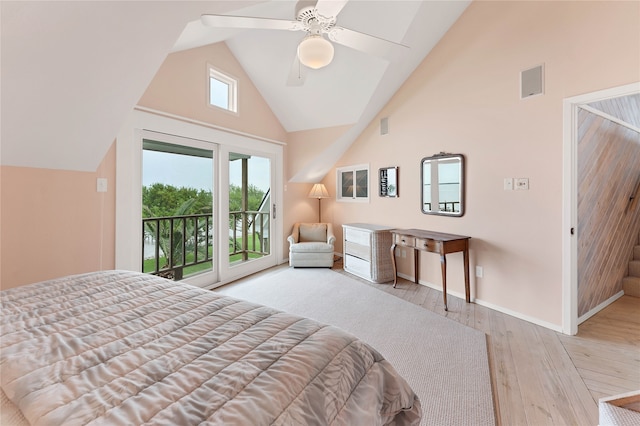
{"x":631,"y":286}
{"x":634,"y":268}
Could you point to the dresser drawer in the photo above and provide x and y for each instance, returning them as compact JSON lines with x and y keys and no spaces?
{"x":357,"y":266}
{"x":405,"y":240}
{"x":428,"y":245}
{"x":357,"y":236}
{"x":357,"y":250}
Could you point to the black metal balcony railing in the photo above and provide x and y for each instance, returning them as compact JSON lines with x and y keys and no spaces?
{"x":181,"y":242}
{"x":254,"y":234}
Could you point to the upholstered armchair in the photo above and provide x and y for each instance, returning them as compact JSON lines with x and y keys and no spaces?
{"x":311,"y":245}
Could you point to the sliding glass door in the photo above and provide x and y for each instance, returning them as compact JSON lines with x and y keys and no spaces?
{"x":250,"y":207}
{"x":182,"y":211}
{"x":196,"y":203}
{"x":178,"y":224}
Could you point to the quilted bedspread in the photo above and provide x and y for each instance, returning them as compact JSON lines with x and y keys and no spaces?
{"x":119,"y":347}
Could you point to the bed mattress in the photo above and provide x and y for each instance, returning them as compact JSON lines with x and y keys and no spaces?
{"x":119,"y":347}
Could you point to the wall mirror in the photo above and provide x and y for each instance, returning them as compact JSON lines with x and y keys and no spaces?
{"x":442,"y":184}
{"x":388,"y":181}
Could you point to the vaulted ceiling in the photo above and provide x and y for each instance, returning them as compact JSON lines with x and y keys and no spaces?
{"x":355,"y":84}
{"x":72,"y":71}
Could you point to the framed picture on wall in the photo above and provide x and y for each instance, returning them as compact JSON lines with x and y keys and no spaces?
{"x":388,"y":181}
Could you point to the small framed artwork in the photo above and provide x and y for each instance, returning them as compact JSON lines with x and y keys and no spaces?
{"x":388,"y":181}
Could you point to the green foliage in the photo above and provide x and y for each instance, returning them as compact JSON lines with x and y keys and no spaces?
{"x":163,"y":200}
{"x":254,"y":196}
{"x":160,"y":200}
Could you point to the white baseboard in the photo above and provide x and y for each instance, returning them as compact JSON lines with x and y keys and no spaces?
{"x":600,"y":307}
{"x":536,"y":321}
{"x":532,"y":320}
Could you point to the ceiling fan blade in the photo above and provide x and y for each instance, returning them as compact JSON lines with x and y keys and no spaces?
{"x":363,"y":42}
{"x":224,"y":21}
{"x":330,"y":8}
{"x":297,"y":73}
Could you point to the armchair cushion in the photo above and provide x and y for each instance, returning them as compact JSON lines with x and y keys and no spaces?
{"x":311,"y":232}
{"x":311,"y":247}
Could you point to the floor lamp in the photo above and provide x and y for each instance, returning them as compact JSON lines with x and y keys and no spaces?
{"x":319,"y":191}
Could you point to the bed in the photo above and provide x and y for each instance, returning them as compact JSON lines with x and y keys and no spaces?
{"x":119,"y":347}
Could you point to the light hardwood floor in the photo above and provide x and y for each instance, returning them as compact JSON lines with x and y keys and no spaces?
{"x":541,"y":377}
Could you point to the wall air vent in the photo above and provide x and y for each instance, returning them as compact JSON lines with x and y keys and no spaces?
{"x":384,"y":125}
{"x":532,"y":82}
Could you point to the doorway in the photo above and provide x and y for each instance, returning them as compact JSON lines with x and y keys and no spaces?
{"x":250,"y":208}
{"x":208,"y":140}
{"x":573,"y":106}
{"x":177,"y":208}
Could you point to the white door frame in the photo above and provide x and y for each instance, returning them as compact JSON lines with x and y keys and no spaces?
{"x":129,"y":179}
{"x":230,"y":272}
{"x":570,"y":198}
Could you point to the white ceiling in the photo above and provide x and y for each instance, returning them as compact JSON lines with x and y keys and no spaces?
{"x":344,"y":91}
{"x":72,"y":71}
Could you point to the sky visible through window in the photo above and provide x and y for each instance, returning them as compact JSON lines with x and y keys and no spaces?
{"x":219,"y":93}
{"x":177,"y":170}
{"x":197,"y":172}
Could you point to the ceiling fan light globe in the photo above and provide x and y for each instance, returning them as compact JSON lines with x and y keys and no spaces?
{"x":315,"y":52}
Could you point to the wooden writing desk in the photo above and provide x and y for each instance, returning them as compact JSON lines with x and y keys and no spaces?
{"x":433,"y":242}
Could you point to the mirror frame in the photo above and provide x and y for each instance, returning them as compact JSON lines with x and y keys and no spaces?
{"x":442,"y":156}
{"x":383,"y":189}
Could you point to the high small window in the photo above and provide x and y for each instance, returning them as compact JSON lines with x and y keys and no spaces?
{"x":223,"y":90}
{"x":353,"y":183}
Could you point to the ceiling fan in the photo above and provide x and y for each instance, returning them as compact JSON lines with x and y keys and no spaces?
{"x":317,"y":19}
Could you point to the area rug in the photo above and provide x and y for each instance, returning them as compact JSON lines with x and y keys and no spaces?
{"x":445,"y":362}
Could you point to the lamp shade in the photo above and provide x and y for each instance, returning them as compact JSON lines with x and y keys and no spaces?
{"x":319,"y":191}
{"x":315,"y":52}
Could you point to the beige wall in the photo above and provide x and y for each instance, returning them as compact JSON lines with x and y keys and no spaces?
{"x":301,"y":149}
{"x":464,"y":98}
{"x":55,"y":223}
{"x":181,"y":87}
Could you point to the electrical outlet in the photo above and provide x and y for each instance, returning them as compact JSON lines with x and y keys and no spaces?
{"x":479,"y":271}
{"x":522,"y":184}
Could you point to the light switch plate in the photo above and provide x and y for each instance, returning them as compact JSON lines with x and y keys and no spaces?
{"x":508,"y":184}
{"x":101,"y":185}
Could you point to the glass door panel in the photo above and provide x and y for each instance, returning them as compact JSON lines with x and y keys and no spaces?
{"x":177,"y":209}
{"x":250,"y":204}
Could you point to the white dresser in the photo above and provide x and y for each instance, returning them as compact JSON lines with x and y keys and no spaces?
{"x":367,"y":251}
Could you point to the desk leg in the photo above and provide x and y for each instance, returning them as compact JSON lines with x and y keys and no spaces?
{"x":393,"y":262}
{"x":467,"y":289}
{"x":443,"y":265}
{"x":416,"y":260}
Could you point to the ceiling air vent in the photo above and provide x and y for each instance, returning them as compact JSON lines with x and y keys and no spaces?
{"x":532,"y":82}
